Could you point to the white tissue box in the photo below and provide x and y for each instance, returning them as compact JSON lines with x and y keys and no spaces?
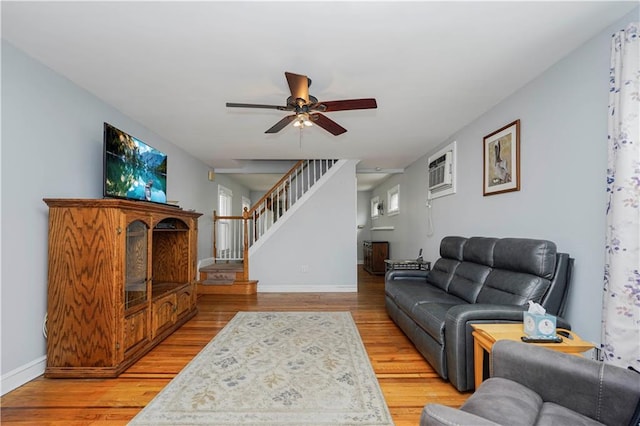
{"x":539,"y":326}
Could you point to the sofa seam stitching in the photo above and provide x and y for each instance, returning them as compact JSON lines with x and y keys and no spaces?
{"x":600,"y":386}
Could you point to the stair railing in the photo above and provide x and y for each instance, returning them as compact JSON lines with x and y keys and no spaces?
{"x":233,"y":235}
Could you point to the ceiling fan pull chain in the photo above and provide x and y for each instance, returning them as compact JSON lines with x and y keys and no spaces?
{"x":301,"y":138}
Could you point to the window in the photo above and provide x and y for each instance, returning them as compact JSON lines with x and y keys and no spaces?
{"x":393,"y":200}
{"x":375,"y":207}
{"x":225,"y":198}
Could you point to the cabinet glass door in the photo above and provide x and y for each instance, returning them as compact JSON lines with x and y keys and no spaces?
{"x":135,"y":287}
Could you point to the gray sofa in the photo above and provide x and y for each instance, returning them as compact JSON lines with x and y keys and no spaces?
{"x":531,"y":385}
{"x":476,"y":279}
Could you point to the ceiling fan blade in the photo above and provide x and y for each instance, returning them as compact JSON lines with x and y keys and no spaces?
{"x":278,"y":107}
{"x":298,"y":85}
{"x":281,"y":124}
{"x":347,"y":104}
{"x":326,"y":123}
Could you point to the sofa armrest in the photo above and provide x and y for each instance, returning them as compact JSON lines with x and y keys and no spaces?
{"x":459,"y":315}
{"x":595,"y":389}
{"x":458,"y":339}
{"x":459,"y":342}
{"x":406,"y":274}
{"x":441,"y":415}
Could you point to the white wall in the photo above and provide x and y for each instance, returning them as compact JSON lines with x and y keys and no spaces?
{"x":52,"y":148}
{"x":363,"y":221}
{"x":563,"y":117}
{"x":405,"y":240}
{"x":314,"y":249}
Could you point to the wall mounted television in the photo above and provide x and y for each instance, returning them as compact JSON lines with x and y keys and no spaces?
{"x":132,"y":169}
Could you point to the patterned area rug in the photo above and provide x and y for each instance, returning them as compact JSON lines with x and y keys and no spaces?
{"x":275,"y":368}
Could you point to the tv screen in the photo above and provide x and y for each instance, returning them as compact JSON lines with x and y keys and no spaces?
{"x":133,"y":169}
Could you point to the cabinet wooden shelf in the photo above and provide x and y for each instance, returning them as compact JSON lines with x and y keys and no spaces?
{"x":375,"y":253}
{"x":122,"y":277}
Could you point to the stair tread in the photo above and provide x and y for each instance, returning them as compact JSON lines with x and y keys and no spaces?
{"x":222,"y":267}
{"x":216,"y":282}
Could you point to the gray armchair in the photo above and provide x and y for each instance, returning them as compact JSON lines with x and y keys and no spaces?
{"x":531,"y":385}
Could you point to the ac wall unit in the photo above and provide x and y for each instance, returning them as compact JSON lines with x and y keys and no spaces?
{"x":441,"y":172}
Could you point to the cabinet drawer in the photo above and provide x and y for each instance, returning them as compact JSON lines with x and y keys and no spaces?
{"x":163,"y":313}
{"x":135,"y":329}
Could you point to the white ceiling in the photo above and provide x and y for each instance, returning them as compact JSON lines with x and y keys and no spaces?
{"x":432,"y":66}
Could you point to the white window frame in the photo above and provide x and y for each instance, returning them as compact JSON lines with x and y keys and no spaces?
{"x":375,"y":201}
{"x":393,"y":208}
{"x":225,"y":201}
{"x":225,"y":206}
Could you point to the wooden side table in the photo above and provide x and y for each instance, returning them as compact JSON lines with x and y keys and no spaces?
{"x":486,"y":334}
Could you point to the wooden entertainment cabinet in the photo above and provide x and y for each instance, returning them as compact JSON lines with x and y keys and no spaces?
{"x":122,"y":277}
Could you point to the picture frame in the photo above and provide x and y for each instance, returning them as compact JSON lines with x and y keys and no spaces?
{"x":501,"y":160}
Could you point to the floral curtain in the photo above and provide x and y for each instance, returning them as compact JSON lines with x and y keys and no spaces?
{"x":621,"y":305}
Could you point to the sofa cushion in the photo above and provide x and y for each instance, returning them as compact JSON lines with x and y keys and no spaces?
{"x":537,"y":257}
{"x":392,"y":288}
{"x":512,"y":288}
{"x":504,"y":402}
{"x":410,"y":293}
{"x":479,"y":250}
{"x":431,"y":316}
{"x":467,"y":281}
{"x":452,"y":247}
{"x":442,"y":273}
{"x":554,"y":414}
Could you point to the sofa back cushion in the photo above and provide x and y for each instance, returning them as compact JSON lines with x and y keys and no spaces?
{"x":442,"y":272}
{"x":452,"y":247}
{"x":522,"y":270}
{"x":479,"y":250}
{"x":536,"y":257}
{"x":467,"y":280}
{"x":512,"y":288}
{"x":477,"y":259}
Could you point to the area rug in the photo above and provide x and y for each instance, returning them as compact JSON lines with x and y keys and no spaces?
{"x":275,"y":368}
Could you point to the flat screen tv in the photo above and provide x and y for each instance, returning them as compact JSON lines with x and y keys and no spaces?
{"x":132,"y":169}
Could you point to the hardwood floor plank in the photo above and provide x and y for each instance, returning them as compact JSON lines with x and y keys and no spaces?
{"x":407,"y":381}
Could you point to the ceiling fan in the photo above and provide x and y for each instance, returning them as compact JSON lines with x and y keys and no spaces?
{"x":307,"y":110}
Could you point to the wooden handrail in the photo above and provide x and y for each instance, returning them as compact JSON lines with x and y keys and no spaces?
{"x":268,"y":193}
{"x":216,"y":217}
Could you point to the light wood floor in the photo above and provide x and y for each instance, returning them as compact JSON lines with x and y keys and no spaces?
{"x":406,"y":379}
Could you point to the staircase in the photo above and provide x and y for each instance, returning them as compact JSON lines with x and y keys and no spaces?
{"x":225,"y":278}
{"x":228,"y":271}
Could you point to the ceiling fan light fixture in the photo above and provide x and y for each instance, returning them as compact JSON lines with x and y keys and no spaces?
{"x":302,"y":120}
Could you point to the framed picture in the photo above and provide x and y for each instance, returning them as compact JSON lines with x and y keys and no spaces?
{"x":501,"y":160}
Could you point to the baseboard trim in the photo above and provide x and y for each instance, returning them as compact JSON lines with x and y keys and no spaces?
{"x":23,"y":374}
{"x":307,"y":288}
